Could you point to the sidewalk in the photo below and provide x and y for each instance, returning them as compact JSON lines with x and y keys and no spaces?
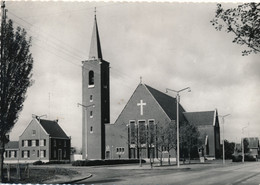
{"x":83,"y":172}
{"x":61,"y":179}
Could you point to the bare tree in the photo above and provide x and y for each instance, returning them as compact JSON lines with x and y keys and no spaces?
{"x":16,"y":71}
{"x":166,"y":139}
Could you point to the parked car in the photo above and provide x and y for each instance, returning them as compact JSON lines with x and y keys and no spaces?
{"x":248,"y":157}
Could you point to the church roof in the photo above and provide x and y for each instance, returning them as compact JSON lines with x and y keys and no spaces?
{"x":200,"y":118}
{"x":52,"y":128}
{"x":95,"y":46}
{"x":167,"y":103}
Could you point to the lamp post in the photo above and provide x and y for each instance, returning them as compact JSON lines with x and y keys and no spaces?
{"x":84,"y":143}
{"x":223,"y":138}
{"x":178,"y":137}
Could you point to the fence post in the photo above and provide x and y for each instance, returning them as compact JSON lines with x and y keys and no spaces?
{"x":28,"y":171}
{"x":8,"y":172}
{"x":18,"y":171}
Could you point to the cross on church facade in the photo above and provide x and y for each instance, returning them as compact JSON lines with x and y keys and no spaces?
{"x":141,"y":104}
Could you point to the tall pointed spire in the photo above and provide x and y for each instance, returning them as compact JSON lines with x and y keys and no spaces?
{"x":95,"y":46}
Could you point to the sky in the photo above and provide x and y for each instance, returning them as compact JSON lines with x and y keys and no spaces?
{"x":169,"y":45}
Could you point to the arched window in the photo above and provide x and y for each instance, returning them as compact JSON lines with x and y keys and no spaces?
{"x":91,"y":129}
{"x":91,"y":78}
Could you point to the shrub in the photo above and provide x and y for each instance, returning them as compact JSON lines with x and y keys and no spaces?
{"x":105,"y":162}
{"x":57,"y":162}
{"x":38,"y":163}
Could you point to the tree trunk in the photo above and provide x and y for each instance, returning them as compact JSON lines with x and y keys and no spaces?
{"x":161,"y":159}
{"x":2,"y":161}
{"x":189,"y":154}
{"x":151,"y":156}
{"x":140,"y":157}
{"x":169,"y":158}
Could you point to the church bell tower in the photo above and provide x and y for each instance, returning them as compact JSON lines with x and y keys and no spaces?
{"x":95,"y":100}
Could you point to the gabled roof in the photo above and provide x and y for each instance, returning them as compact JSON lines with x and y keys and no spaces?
{"x":253,"y":142}
{"x":200,"y":118}
{"x":95,"y":46}
{"x":12,"y":145}
{"x":168,"y":103}
{"x":52,"y":128}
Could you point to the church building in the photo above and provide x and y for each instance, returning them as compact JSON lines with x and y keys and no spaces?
{"x":146,"y":112}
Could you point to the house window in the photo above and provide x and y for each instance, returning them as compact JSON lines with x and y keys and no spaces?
{"x":65,"y":143}
{"x":33,"y":132}
{"x":26,"y":154}
{"x":29,"y":142}
{"x":54,"y":142}
{"x":12,"y":154}
{"x":91,"y":78}
{"x":120,"y":150}
{"x":43,"y":153}
{"x":33,"y":142}
{"x":91,"y":98}
{"x":9,"y":154}
{"x":25,"y":143}
{"x":91,"y":129}
{"x":43,"y":142}
{"x":38,"y":153}
{"x":64,"y":154}
{"x":91,"y":114}
{"x":37,"y":142}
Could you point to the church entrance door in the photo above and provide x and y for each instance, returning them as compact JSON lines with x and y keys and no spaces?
{"x":107,"y":154}
{"x":132,"y":153}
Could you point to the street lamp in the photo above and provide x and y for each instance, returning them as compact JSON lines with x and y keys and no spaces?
{"x":178,"y":101}
{"x":84,"y":143}
{"x":223,"y":119}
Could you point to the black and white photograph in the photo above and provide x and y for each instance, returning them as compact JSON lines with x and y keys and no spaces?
{"x":130,"y":92}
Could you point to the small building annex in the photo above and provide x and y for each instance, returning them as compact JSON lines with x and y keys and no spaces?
{"x":42,"y":140}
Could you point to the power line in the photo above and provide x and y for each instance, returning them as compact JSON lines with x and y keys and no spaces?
{"x":53,"y":39}
{"x":65,"y":51}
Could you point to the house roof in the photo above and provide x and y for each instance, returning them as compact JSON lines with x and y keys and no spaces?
{"x":253,"y":142}
{"x":168,"y":103}
{"x":53,"y":128}
{"x":12,"y":145}
{"x":200,"y":118}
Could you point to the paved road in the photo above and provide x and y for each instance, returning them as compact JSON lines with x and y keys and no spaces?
{"x":232,"y":173}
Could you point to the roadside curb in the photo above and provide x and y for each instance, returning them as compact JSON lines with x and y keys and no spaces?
{"x":76,"y":180}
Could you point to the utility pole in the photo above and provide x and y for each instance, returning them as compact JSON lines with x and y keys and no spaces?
{"x":223,"y":138}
